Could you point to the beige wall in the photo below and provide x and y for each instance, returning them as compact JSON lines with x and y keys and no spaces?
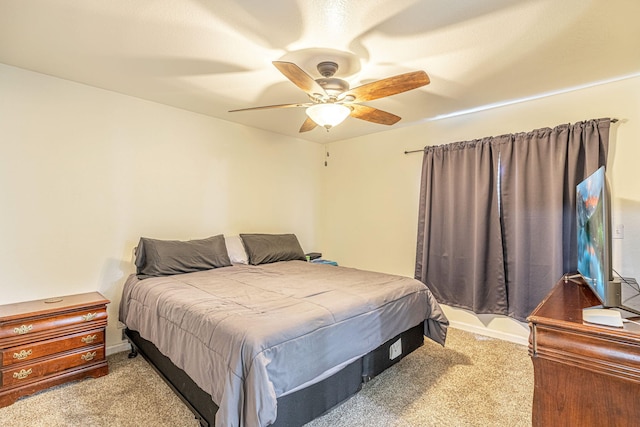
{"x":85,"y":172}
{"x":371,"y":188}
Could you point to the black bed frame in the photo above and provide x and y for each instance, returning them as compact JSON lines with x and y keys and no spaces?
{"x":294,"y":409}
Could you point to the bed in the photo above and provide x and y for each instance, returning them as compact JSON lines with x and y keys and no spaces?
{"x":264,"y":337}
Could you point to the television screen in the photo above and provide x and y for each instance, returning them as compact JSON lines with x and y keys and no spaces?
{"x":592,"y":212}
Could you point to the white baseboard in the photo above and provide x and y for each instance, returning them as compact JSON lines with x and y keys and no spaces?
{"x":493,"y":333}
{"x":117,"y":348}
{"x":490,"y":325}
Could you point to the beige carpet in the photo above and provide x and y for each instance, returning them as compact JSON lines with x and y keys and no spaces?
{"x":473,"y":381}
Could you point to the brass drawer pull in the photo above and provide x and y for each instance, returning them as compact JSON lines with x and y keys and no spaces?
{"x":89,"y":356}
{"x":89,"y":316}
{"x":23,"y":354}
{"x":22,"y":374}
{"x":22,"y":329}
{"x":88,"y":339}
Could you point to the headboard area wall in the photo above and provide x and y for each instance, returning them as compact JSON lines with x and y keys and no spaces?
{"x":85,"y":172}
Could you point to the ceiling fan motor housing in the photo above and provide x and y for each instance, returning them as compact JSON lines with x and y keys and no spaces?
{"x":332,"y":85}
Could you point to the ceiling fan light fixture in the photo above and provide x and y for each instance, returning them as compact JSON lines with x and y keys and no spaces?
{"x":328,"y":115}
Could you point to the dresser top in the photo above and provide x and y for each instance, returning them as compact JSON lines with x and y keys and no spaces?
{"x":9,"y":312}
{"x":562,"y":308}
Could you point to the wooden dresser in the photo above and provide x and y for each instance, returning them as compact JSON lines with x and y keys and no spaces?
{"x":49,"y":342}
{"x":584,"y":374}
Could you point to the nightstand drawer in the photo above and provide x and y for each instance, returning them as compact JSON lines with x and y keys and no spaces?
{"x":28,"y":352}
{"x":11,"y":331}
{"x":33,"y":371}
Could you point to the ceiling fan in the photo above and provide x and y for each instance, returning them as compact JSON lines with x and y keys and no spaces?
{"x":332,"y":100}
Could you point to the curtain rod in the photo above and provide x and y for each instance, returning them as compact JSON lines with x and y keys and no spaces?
{"x":421,"y":151}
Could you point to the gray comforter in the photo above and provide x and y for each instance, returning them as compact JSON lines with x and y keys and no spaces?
{"x":249,"y":334}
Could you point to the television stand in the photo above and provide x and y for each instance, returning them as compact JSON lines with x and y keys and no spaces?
{"x":573,"y":277}
{"x":586,"y":375}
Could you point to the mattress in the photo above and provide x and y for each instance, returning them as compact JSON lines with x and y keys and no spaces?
{"x":248,"y":335}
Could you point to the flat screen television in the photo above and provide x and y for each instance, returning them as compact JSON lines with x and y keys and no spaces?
{"x":593,"y":214}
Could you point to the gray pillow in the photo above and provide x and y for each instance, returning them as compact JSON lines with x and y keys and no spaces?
{"x":266,"y":248}
{"x":155,"y":258}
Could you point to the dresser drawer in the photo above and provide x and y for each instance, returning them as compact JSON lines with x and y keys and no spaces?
{"x":27,"y":352}
{"x":27,"y":327}
{"x":33,"y":371}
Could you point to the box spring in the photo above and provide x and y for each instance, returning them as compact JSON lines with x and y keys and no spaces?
{"x":294,"y":409}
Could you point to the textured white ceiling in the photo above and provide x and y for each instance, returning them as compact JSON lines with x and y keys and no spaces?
{"x":211,"y":56}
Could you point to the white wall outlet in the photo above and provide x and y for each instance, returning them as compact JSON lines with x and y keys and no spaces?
{"x":396,"y":349}
{"x":618,"y":231}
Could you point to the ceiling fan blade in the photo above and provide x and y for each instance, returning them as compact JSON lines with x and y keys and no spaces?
{"x":300,"y":78}
{"x":308,"y":125}
{"x":266,"y":107}
{"x":389,"y":86}
{"x":370,"y":114}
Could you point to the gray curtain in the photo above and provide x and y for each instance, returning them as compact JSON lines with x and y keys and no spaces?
{"x":459,"y":234}
{"x":496,"y":226}
{"x":540,"y":171}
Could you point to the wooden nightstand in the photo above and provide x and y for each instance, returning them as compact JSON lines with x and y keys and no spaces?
{"x":584,"y":374}
{"x":49,"y":342}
